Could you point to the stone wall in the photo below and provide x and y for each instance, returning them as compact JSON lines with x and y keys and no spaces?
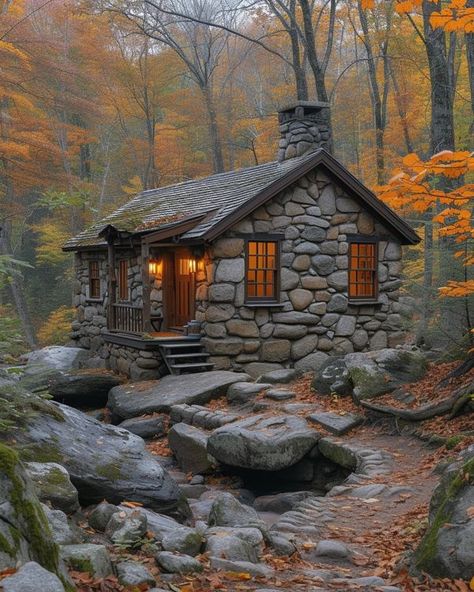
{"x":315,"y":318}
{"x":138,"y":364}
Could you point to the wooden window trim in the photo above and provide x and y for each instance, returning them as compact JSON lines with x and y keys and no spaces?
{"x":123,"y":291}
{"x":261,"y":300}
{"x":361,"y":240}
{"x":94,"y":280}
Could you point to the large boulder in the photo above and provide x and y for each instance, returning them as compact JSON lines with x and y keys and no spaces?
{"x":226,"y":510}
{"x":263,"y":443}
{"x":103,"y":461}
{"x":31,"y":577}
{"x":25,"y":534}
{"x":333,"y":377}
{"x":189,"y":445}
{"x":132,"y":400}
{"x":83,"y":388}
{"x":58,"y":357}
{"x":447,"y":549}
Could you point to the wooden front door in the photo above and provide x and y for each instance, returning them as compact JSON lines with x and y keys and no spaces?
{"x":179,"y":288}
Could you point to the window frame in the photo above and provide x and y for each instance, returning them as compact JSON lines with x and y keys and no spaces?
{"x":96,"y":279}
{"x":120,"y":278}
{"x":368,"y":240}
{"x":264,"y":300}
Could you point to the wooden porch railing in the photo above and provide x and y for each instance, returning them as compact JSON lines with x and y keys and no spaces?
{"x":127,"y":318}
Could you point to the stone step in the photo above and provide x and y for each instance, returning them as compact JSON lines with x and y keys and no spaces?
{"x":200,"y":416}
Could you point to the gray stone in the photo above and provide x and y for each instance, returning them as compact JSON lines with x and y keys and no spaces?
{"x":100,"y":516}
{"x":189,"y":445}
{"x":221,"y":293}
{"x":314,"y":234}
{"x":295,"y":318}
{"x":31,"y":577}
{"x":145,"y":427}
{"x":231,"y":346}
{"x":289,"y":279}
{"x":280,"y":503}
{"x":304,"y":346}
{"x":132,"y":573}
{"x":217,"y":313}
{"x":197,"y":388}
{"x":228,"y":247}
{"x":331,"y":550}
{"x":230,"y":547}
{"x":183,"y":540}
{"x":61,"y":530}
{"x":347,"y":205}
{"x":126,"y":530}
{"x":311,"y":362}
{"x":242,"y":392}
{"x":254,"y":569}
{"x":301,"y":262}
{"x":323,"y":264}
{"x":279,"y":394}
{"x":327,"y":201}
{"x":52,"y":484}
{"x":275,"y":350}
{"x":283,"y":376}
{"x":306,"y":248}
{"x":182,"y":564}
{"x":226,"y":510}
{"x":346,"y":325}
{"x":230,"y":270}
{"x":256,"y":369}
{"x":335,"y":423}
{"x":263,"y":443}
{"x":337,"y":280}
{"x":90,"y":558}
{"x":333,"y":377}
{"x":58,"y":357}
{"x":280,"y":544}
{"x":314,"y":282}
{"x":338,"y":303}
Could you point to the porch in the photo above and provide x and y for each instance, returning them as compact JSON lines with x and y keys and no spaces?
{"x":180,"y":353}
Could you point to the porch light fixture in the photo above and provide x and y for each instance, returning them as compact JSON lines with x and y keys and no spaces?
{"x":154,"y":267}
{"x":187,"y":266}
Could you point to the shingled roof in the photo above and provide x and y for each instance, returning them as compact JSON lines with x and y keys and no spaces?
{"x":226,"y":198}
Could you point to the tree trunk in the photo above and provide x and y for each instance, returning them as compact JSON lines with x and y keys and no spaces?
{"x":427,"y":296}
{"x":470,"y":65}
{"x":214,"y":137}
{"x":300,"y":74}
{"x":402,"y":110}
{"x":441,"y":79}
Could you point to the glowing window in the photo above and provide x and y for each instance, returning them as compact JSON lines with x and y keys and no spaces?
{"x":363,"y":270}
{"x":262,"y":271}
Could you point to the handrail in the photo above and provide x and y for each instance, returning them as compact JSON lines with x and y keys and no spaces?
{"x":127,"y":318}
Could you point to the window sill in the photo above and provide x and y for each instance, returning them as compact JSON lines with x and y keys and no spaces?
{"x":363,"y":302}
{"x":264,"y":304}
{"x":95,"y":300}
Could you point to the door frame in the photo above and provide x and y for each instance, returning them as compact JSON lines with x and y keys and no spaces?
{"x":169,"y":282}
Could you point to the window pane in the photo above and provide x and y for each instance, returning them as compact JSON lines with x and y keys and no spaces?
{"x":262,"y":269}
{"x":362,"y":270}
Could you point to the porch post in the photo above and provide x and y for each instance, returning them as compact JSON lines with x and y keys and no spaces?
{"x":111,"y":280}
{"x":146,"y":290}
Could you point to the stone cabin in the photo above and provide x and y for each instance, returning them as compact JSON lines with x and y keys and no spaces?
{"x":276,"y":265}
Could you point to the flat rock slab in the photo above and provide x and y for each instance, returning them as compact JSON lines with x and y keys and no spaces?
{"x":140,"y":398}
{"x":263,"y":443}
{"x":279,"y":394}
{"x":335,"y":423}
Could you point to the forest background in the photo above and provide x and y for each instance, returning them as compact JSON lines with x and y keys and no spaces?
{"x":100,"y":99}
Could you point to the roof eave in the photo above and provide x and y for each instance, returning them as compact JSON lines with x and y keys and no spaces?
{"x":334,"y":167}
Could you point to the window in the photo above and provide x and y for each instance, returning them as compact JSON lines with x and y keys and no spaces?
{"x":94,"y":279}
{"x":362,"y":270}
{"x":123,"y":280}
{"x":261,"y":280}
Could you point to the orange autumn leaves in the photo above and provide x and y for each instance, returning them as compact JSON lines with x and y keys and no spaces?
{"x":455,"y":16}
{"x":430,"y":186}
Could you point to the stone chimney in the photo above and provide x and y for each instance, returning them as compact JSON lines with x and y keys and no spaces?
{"x":304,"y":126}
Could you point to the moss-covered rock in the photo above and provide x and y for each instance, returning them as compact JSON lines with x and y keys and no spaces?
{"x":447,"y":549}
{"x":25,"y":534}
{"x":53,"y":485}
{"x":103,"y":461}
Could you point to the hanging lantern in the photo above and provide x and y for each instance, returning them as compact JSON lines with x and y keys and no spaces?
{"x":154,"y":267}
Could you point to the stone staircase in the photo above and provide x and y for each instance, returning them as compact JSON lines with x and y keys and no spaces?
{"x":185,"y":356}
